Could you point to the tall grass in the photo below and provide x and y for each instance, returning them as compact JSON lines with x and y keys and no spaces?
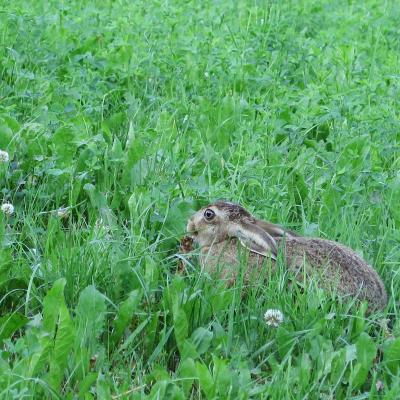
{"x":120,"y":119}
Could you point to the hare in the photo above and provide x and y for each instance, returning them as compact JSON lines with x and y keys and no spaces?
{"x":223,"y":229}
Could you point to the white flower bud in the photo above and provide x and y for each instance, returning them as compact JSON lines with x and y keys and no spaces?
{"x":4,"y":156}
{"x":273,"y":317}
{"x":7,"y":208}
{"x":62,"y":213}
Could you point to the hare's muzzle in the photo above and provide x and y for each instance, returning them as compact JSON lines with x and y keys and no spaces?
{"x":191,"y":228}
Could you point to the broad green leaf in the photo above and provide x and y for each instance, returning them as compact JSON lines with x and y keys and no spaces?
{"x":224,"y":377}
{"x":298,"y":186}
{"x":64,"y":342}
{"x":57,"y":338}
{"x":173,"y":294}
{"x":86,"y":384}
{"x":187,"y":372}
{"x":151,"y":273}
{"x":189,"y":350}
{"x":125,"y":314}
{"x":305,"y":366}
{"x":113,"y":124}
{"x":166,"y":390}
{"x":221,"y":299}
{"x":180,"y":328}
{"x":173,"y":392}
{"x":338,"y":366}
{"x":64,"y":147}
{"x":97,"y":199}
{"x":8,"y":129}
{"x":151,"y":337}
{"x":159,"y":373}
{"x":178,"y":214}
{"x":135,"y":151}
{"x":351,"y":353}
{"x":206,"y":381}
{"x":103,"y":388}
{"x":357,"y":324}
{"x":273,"y":363}
{"x":139,"y":172}
{"x":286,"y":340}
{"x":90,"y":317}
{"x":366,"y":352}
{"x":158,"y":390}
{"x":393,"y":196}
{"x":87,"y":160}
{"x":391,"y":355}
{"x":201,"y":339}
{"x":116,"y":153}
{"x":52,"y":303}
{"x":39,"y":360}
{"x":10,"y":323}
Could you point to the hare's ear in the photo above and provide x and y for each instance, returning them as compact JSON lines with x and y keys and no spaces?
{"x":274,"y":230}
{"x":254,"y":238}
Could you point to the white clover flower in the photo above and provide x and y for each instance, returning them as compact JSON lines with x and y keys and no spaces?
{"x":4,"y":156}
{"x":273,"y":317}
{"x":379,"y":385}
{"x":7,"y":208}
{"x":206,"y":75}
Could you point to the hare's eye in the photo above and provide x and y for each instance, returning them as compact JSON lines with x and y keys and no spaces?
{"x":209,"y":214}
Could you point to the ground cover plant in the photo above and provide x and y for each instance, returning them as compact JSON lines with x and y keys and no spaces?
{"x":118,"y":119}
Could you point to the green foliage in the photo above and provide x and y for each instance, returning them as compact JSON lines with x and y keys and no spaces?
{"x":392,"y":355}
{"x":125,"y":312}
{"x":122,"y":118}
{"x":10,"y":323}
{"x":366,"y":352}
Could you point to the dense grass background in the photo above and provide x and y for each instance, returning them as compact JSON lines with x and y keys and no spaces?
{"x":121,"y":118}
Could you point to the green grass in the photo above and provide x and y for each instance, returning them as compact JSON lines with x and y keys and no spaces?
{"x":132,"y":114}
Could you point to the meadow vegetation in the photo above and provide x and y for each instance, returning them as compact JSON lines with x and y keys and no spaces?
{"x":120,"y":118}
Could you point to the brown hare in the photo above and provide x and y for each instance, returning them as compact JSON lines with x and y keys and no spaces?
{"x":223,"y":229}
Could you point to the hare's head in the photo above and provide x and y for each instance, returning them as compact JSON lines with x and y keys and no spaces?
{"x":223,"y":220}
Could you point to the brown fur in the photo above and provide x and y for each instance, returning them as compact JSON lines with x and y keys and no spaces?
{"x":339,"y":268}
{"x":335,"y":266}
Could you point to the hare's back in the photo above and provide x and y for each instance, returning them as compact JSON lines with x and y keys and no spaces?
{"x":338,"y":263}
{"x":320,"y":252}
